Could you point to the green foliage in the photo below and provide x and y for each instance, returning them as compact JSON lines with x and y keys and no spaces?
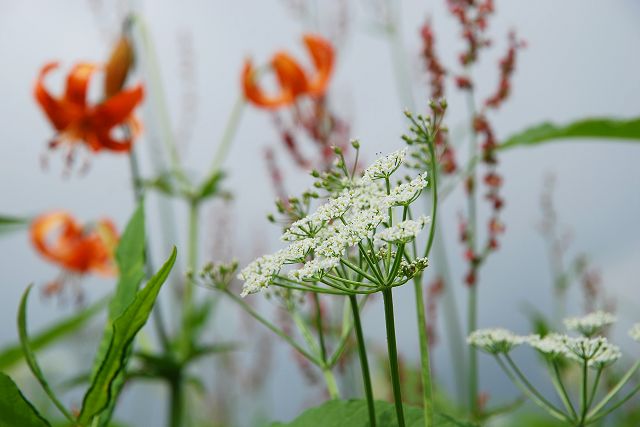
{"x":15,"y":409}
{"x":603,"y":128}
{"x":9,"y":224}
{"x":13,"y":354}
{"x":101,"y":393}
{"x":30,"y":357}
{"x":130,"y":257}
{"x":210,"y":187}
{"x":353,"y":413}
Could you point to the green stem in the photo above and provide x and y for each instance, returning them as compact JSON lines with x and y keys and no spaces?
{"x":627,"y":376}
{"x":591,"y":418}
{"x":175,"y":408}
{"x":556,"y":378}
{"x":246,"y":307}
{"x":427,"y":387}
{"x":228,"y":134}
{"x":584,"y":395}
{"x":330,"y":380}
{"x":531,"y":392}
{"x":364,"y":363}
{"x":393,"y":354}
{"x":594,"y":388}
{"x":472,"y":319}
{"x":189,"y":284}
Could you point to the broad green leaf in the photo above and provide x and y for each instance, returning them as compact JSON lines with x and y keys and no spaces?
{"x":601,"y":128}
{"x":130,"y":258}
{"x":30,"y":357}
{"x":125,"y":328}
{"x":12,"y":223}
{"x":354,"y":413}
{"x":9,"y":356}
{"x":15,"y":409}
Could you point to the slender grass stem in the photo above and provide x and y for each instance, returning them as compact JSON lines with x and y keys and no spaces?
{"x":364,"y":364}
{"x":393,"y":354}
{"x":584,"y":393}
{"x":189,"y":284}
{"x":594,"y":387}
{"x":227,"y":135}
{"x":330,"y":380}
{"x":425,"y":364}
{"x":175,"y":402}
{"x":596,"y":417}
{"x":320,"y":327}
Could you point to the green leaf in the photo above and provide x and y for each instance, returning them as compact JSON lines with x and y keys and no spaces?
{"x":125,"y":328}
{"x":209,"y":187}
{"x":353,"y":413}
{"x":602,"y":128}
{"x":130,"y":258}
{"x":15,"y":409}
{"x":30,"y":357}
{"x":9,"y":224}
{"x":10,"y":356}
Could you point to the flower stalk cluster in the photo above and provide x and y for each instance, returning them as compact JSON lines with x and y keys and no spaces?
{"x":589,"y":352}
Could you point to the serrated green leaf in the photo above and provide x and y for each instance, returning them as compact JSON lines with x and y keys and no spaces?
{"x":125,"y":328}
{"x":15,"y":409}
{"x":10,"y":223}
{"x":601,"y":128}
{"x":11,"y":355}
{"x":354,"y":413}
{"x":31,"y":358}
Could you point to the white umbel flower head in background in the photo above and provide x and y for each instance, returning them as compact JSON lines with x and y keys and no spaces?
{"x":551,"y":345}
{"x":634,"y":332}
{"x":590,"y":324}
{"x":495,"y":341}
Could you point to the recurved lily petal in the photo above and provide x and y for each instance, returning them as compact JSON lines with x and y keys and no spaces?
{"x":254,"y":93}
{"x":78,"y":83}
{"x":60,"y":113}
{"x":323,"y":56}
{"x":118,"y":108}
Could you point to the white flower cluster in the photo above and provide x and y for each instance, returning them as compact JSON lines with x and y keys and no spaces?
{"x":590,"y":324}
{"x":402,"y":232}
{"x":385,"y":166}
{"x":495,"y":341}
{"x":634,"y":332}
{"x":321,"y":239}
{"x":596,"y":352}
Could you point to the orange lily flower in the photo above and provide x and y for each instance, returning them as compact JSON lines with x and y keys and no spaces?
{"x":291,"y":77}
{"x":78,"y":122}
{"x":58,"y":237}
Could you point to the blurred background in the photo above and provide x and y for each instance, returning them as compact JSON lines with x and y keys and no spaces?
{"x":580,"y":61}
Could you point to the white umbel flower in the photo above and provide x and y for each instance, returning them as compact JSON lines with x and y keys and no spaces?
{"x":385,"y":166}
{"x":407,"y":192}
{"x":495,"y":341}
{"x":402,"y":232}
{"x":634,"y":332}
{"x":590,"y":324}
{"x":314,"y":268}
{"x":551,"y":345}
{"x":595,"y":351}
{"x":259,"y":273}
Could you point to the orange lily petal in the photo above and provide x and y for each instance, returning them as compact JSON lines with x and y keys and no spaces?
{"x":290,"y":75}
{"x":56,"y":110}
{"x":78,"y":82}
{"x":254,"y":93}
{"x":118,"y":108}
{"x":41,"y":229}
{"x":105,"y":140}
{"x":323,"y":56}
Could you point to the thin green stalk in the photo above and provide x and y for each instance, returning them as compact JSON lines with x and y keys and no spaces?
{"x":594,"y":388}
{"x":472,"y":319}
{"x":393,"y":354}
{"x":556,"y":378}
{"x":596,"y":417}
{"x":138,"y":192}
{"x":425,"y":364}
{"x":627,"y":376}
{"x":530,"y":386}
{"x":531,"y":392}
{"x":584,"y":394}
{"x":189,"y":284}
{"x":246,"y":307}
{"x":320,"y":327}
{"x":364,"y":363}
{"x":228,"y":134}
